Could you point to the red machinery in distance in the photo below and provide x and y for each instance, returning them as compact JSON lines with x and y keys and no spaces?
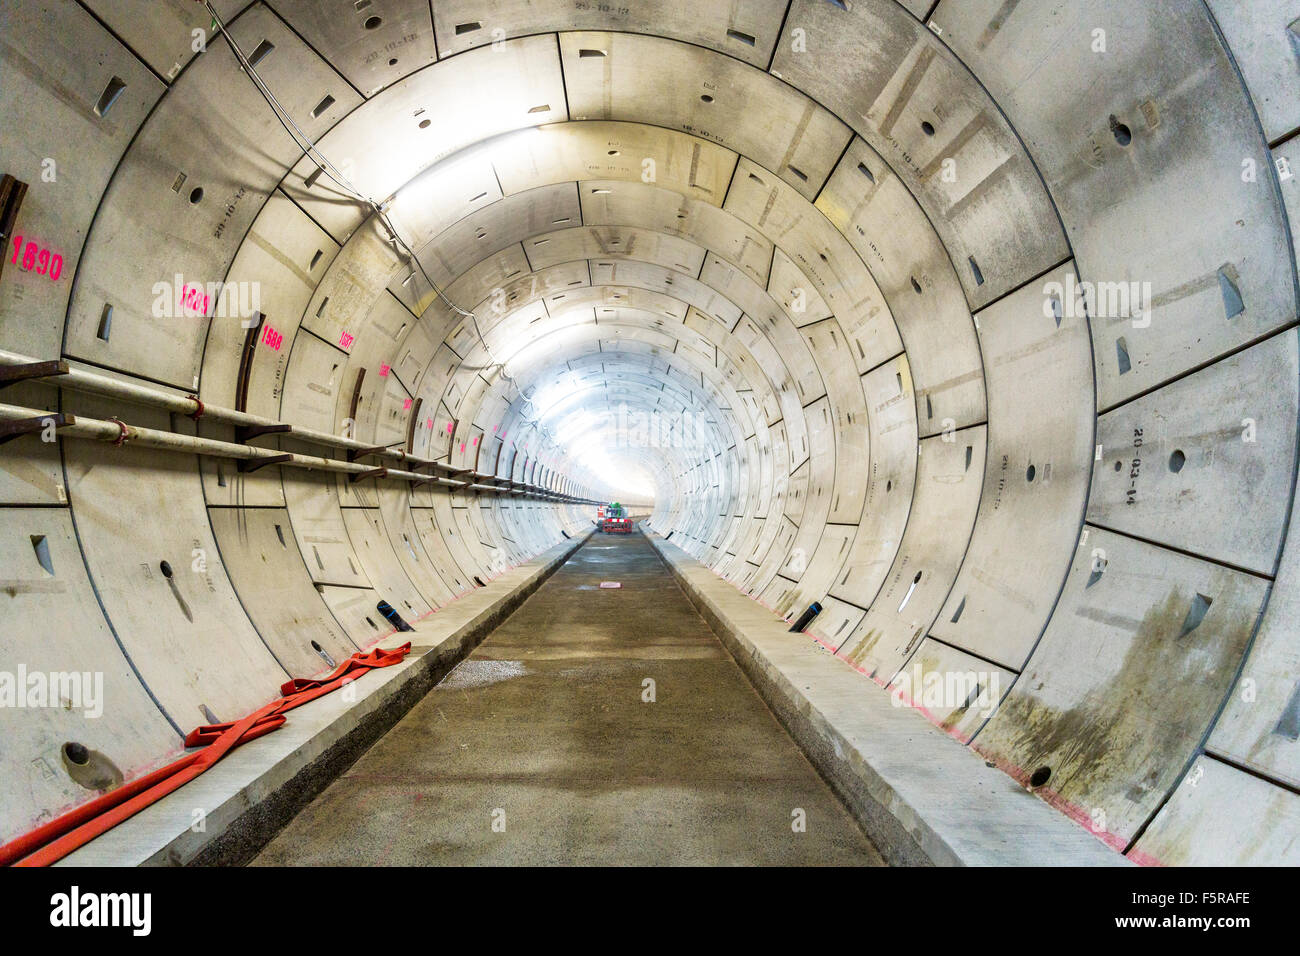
{"x":613,"y":518}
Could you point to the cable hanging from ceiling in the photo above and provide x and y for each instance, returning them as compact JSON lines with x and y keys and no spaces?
{"x":308,"y":146}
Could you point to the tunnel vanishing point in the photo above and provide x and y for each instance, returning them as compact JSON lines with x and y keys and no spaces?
{"x":944,"y":355}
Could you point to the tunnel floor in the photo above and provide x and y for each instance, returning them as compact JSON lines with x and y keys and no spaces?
{"x":539,"y":747}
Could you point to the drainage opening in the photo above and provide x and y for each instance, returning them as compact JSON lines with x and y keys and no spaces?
{"x":1040,"y":776}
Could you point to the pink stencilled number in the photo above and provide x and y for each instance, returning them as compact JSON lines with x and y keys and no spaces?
{"x":33,"y":258}
{"x":272,"y":338}
{"x":406,"y":406}
{"x":383,"y":370}
{"x":428,"y":423}
{"x":193,"y":298}
{"x":346,"y":340}
{"x":449,"y":428}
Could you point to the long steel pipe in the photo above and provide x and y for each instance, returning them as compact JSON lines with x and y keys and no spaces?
{"x":80,"y":380}
{"x":95,"y":429}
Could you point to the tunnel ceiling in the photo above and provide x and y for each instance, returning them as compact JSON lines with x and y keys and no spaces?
{"x":802,"y":278}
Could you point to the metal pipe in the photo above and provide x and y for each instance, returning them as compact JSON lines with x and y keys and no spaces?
{"x":80,"y":380}
{"x":122,"y":432}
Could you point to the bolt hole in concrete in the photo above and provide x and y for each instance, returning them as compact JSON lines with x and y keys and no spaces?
{"x":1123,"y":135}
{"x":1176,"y":461}
{"x":196,"y":195}
{"x":76,"y":754}
{"x":927,"y":128}
{"x":373,"y":23}
{"x":41,"y":548}
{"x":324,"y":654}
{"x":90,"y":768}
{"x":915,"y":581}
{"x":1040,"y":777}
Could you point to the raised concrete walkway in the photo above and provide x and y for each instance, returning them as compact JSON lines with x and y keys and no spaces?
{"x":923,"y":797}
{"x":226,"y":815}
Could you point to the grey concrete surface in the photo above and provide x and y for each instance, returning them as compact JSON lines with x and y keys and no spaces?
{"x":981,"y":328}
{"x":922,"y":797}
{"x":540,"y":749}
{"x":227,"y":814}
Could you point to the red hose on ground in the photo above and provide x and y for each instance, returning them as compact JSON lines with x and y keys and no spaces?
{"x":54,"y":840}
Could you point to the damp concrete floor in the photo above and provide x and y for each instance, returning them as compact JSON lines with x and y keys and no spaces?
{"x":595,"y":726}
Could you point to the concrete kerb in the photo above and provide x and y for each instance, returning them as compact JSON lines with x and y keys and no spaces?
{"x":921,"y":796}
{"x":225,"y":816}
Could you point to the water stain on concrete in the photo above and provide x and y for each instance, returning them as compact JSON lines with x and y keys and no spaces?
{"x":1121,"y":746}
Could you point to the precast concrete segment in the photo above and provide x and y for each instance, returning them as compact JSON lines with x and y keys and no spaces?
{"x":595,"y":726}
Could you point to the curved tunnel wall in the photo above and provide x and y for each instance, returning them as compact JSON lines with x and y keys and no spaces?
{"x":844,"y":244}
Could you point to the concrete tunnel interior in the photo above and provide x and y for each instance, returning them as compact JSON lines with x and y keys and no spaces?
{"x":973,"y":323}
